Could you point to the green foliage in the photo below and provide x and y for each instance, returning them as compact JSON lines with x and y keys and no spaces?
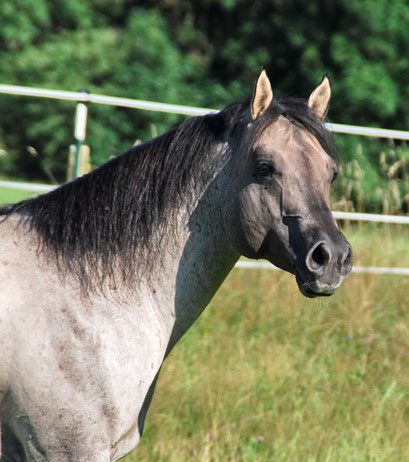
{"x":203,"y":53}
{"x":373,"y":177}
{"x":136,"y":60}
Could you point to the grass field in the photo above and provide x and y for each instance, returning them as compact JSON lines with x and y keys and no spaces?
{"x":267,"y":375}
{"x":13,"y":195}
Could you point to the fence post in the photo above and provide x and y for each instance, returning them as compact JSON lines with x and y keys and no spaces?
{"x":79,"y":133}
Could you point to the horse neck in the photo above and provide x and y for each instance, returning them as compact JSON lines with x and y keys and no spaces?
{"x":198,"y":261}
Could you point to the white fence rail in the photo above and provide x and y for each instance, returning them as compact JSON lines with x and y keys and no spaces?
{"x":85,"y":97}
{"x":370,"y":217}
{"x":355,"y":269}
{"x":26,"y":186}
{"x":40,"y":188}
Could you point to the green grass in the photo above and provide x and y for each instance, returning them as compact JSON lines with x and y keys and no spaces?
{"x":8,"y":195}
{"x":267,"y":375}
{"x":318,"y":380}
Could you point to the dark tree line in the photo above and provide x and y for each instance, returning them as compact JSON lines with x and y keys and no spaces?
{"x":205,"y":53}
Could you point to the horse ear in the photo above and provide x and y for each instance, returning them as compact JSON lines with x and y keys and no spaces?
{"x":320,"y":97}
{"x":262,"y":95}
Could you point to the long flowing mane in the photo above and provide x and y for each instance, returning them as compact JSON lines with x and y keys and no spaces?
{"x":113,"y":219}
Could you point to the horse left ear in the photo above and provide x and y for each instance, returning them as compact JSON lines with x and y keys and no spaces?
{"x":262,"y":95}
{"x":320,"y":98}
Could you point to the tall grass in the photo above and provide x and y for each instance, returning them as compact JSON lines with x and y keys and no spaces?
{"x":266,"y":374}
{"x":373,"y":178}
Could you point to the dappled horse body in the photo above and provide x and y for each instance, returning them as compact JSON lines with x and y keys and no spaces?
{"x":101,"y":277}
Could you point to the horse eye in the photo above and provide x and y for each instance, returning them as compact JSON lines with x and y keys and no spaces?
{"x":334,"y":176}
{"x":264,"y":169}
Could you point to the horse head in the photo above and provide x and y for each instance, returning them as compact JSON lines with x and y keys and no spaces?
{"x":277,"y":204}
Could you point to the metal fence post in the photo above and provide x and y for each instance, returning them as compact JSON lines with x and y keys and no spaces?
{"x":79,"y":133}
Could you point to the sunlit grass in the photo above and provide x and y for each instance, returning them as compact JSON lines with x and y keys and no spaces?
{"x":379,"y":244}
{"x":8,"y":195}
{"x":266,"y":374}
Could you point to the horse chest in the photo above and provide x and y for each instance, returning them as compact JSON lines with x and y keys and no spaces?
{"x":86,"y":365}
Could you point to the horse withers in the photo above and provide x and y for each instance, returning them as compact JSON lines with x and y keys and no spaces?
{"x":102,"y":276}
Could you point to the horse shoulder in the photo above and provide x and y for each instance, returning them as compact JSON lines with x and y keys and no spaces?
{"x":60,"y":351}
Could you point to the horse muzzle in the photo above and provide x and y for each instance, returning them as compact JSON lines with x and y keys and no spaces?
{"x":326,"y":264}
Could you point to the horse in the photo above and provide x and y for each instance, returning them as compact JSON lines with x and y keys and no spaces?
{"x":102,"y":276}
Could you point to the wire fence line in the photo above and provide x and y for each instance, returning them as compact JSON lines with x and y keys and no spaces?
{"x":41,"y":188}
{"x":348,"y":216}
{"x":85,"y":97}
{"x":372,"y":217}
{"x":27,"y":186}
{"x":355,"y":269}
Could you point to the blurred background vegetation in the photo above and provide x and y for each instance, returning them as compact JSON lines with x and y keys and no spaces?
{"x":206,"y":53}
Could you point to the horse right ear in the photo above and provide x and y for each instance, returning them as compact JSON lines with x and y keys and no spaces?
{"x":262,"y":95}
{"x":320,"y":98}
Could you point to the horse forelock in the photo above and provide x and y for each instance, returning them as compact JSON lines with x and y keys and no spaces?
{"x":296,"y":110}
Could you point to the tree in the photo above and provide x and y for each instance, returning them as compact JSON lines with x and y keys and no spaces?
{"x":134,"y":59}
{"x":205,"y":52}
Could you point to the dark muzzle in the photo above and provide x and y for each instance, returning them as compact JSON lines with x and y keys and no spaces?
{"x":327,"y":263}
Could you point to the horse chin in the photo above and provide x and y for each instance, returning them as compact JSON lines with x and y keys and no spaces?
{"x":313,"y":289}
{"x":310,"y":289}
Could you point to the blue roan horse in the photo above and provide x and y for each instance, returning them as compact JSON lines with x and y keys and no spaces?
{"x":101,"y":277}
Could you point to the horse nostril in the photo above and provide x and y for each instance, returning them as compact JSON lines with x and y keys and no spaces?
{"x":346,"y":262}
{"x":321,"y":255}
{"x":318,"y":257}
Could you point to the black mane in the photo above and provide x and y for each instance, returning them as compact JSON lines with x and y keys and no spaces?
{"x":98,"y":224}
